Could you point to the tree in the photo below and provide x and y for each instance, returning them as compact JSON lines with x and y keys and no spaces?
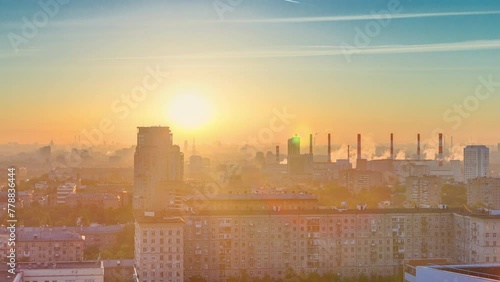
{"x":91,"y":252}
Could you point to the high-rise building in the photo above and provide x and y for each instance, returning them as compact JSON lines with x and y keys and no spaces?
{"x":298,"y":164}
{"x":158,"y":169}
{"x":294,"y":145}
{"x":476,"y":162}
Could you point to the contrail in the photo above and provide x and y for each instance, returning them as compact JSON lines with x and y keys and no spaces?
{"x":361,"y":17}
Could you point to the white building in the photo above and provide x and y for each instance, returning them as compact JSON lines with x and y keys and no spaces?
{"x":61,"y":272}
{"x":476,"y":162}
{"x":469,"y":273}
{"x":64,"y":190}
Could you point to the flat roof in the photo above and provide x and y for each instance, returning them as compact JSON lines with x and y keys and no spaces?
{"x":58,"y":265}
{"x":113,"y":263}
{"x":47,"y":235}
{"x":489,"y":271}
{"x":252,"y":197}
{"x":314,"y":212}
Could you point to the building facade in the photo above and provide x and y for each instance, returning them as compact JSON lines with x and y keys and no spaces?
{"x":484,"y":191}
{"x":158,"y":168}
{"x":423,"y":191}
{"x":476,"y":162}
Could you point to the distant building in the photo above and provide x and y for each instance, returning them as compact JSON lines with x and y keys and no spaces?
{"x":476,"y":162}
{"x":158,"y":169}
{"x":103,"y":200}
{"x":64,"y":190}
{"x":294,"y":145}
{"x":484,"y":191}
{"x":106,"y":174}
{"x":423,"y":191}
{"x":358,"y":180}
{"x":41,"y":185}
{"x":45,"y":153}
{"x":298,"y":164}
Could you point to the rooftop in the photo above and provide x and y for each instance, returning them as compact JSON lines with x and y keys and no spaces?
{"x":488,"y":271}
{"x":252,"y":197}
{"x":118,"y":263}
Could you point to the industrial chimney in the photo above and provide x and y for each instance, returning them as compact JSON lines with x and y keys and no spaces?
{"x":392,"y":146}
{"x":329,"y":149}
{"x":440,"y":154}
{"x":277,"y":154}
{"x":310,"y":144}
{"x":418,"y":146}
{"x":359,"y":146}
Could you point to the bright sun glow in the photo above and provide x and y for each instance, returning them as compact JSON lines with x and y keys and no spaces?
{"x":189,"y":111}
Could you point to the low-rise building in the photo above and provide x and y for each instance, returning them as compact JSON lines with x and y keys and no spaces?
{"x":49,"y":246}
{"x":118,"y":270}
{"x":104,"y":200}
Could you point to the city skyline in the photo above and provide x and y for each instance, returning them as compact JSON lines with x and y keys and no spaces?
{"x":235,"y":67}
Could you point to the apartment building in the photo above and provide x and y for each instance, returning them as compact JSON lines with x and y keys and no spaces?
{"x":159,"y":248}
{"x":423,"y":191}
{"x":484,"y":191}
{"x":216,"y":244}
{"x":476,"y":238}
{"x":49,"y":246}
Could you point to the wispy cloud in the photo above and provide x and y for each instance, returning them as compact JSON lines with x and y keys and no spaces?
{"x":327,"y":50}
{"x":361,"y":17}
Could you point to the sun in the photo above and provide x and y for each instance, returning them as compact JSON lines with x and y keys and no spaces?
{"x":189,"y":110}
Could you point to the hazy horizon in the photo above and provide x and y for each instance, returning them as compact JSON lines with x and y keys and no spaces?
{"x":222,"y":74}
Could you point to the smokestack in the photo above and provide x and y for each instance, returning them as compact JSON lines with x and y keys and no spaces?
{"x":310,"y":144}
{"x":392,"y":146}
{"x":440,"y":145}
{"x":359,"y":146}
{"x":329,"y":149}
{"x":418,"y":146}
{"x":440,"y":154}
{"x":277,"y":154}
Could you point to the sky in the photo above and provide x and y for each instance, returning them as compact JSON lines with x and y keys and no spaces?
{"x":95,"y":70}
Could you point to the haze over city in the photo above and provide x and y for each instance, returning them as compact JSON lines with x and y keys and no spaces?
{"x":249,"y":140}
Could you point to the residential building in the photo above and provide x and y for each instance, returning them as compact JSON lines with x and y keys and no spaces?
{"x":484,"y":191}
{"x":423,"y":191}
{"x":476,"y":162}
